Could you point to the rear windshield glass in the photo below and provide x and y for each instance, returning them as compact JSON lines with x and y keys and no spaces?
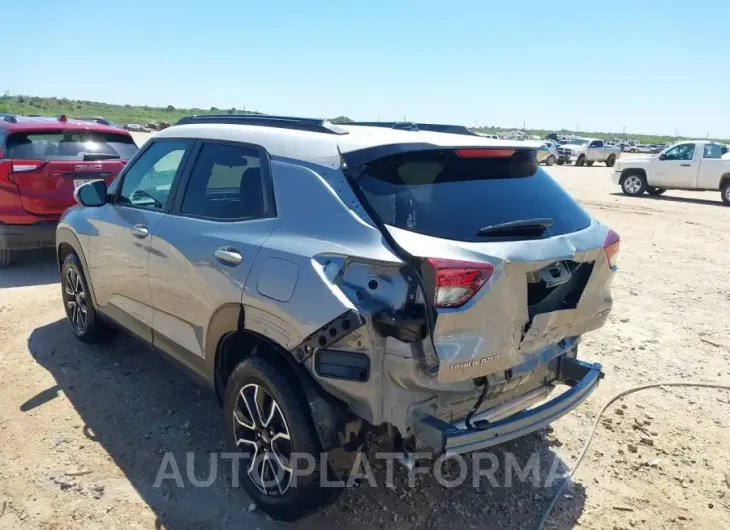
{"x":69,"y":145}
{"x":439,"y":194}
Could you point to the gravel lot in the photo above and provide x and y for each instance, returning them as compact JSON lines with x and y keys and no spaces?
{"x":83,"y":429}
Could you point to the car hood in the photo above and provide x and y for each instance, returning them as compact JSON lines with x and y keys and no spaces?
{"x":573,"y":146}
{"x":633,"y":162}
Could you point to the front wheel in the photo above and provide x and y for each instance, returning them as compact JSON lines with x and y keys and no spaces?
{"x":267,"y":419}
{"x":610,"y":161}
{"x":655,"y":191}
{"x":581,"y":161}
{"x":6,"y":257}
{"x":560,"y":162}
{"x":589,"y":163}
{"x":633,"y":184}
{"x":79,"y":306}
{"x":550,"y":160}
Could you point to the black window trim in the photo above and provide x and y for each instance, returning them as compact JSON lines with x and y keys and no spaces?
{"x":265,"y":164}
{"x":116,"y":187}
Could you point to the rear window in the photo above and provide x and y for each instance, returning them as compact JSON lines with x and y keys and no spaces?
{"x":69,"y":145}
{"x":439,"y":194}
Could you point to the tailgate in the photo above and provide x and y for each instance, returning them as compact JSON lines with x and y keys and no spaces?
{"x":48,"y":164}
{"x":47,"y":188}
{"x":510,"y":262}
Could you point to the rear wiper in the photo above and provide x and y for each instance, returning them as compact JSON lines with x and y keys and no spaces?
{"x":520,"y":227}
{"x":100,"y":156}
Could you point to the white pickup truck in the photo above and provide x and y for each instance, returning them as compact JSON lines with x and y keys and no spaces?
{"x":698,"y":165}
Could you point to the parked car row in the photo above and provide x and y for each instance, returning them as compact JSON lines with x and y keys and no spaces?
{"x":216,"y":245}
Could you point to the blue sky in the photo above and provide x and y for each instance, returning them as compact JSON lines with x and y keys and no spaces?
{"x":653,"y":66}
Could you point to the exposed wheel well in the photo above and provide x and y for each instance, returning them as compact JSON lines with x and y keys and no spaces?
{"x":64,"y":249}
{"x":725,"y":179}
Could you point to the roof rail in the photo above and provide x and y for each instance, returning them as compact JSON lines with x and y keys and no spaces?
{"x":411,"y":126}
{"x":8,"y":117}
{"x":264,"y":120}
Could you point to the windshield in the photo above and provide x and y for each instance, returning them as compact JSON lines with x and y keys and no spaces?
{"x":578,"y":141}
{"x":439,"y":194}
{"x":69,"y":145}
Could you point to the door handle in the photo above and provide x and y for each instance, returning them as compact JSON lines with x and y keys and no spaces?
{"x":228,"y":256}
{"x":686,"y":165}
{"x":140,"y":231}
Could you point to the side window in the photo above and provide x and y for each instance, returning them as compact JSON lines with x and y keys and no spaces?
{"x":147,"y":183}
{"x":713,"y":151}
{"x":227,"y":183}
{"x":680,"y":152}
{"x":597,"y":143}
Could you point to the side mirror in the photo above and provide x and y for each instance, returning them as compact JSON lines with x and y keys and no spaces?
{"x":662,"y":156}
{"x":91,"y":194}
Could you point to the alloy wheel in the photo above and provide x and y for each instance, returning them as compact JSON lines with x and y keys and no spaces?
{"x":76,"y":301}
{"x":261,"y":430}
{"x":632,"y":184}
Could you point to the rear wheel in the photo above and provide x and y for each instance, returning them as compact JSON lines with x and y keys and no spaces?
{"x":267,"y":418}
{"x":725,"y":191}
{"x":550,"y":160}
{"x":6,"y":257}
{"x":610,"y":161}
{"x":80,"y":310}
{"x":655,"y":191}
{"x":633,"y":184}
{"x":581,"y":161}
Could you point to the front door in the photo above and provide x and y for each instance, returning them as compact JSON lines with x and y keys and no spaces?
{"x":120,"y":245}
{"x":203,"y":250}
{"x":676,"y":168}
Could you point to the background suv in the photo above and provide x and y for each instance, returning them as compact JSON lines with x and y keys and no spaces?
{"x":321,"y":278}
{"x":42,"y":162}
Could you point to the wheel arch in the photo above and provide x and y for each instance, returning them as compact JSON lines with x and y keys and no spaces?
{"x":67,"y":242}
{"x":724,"y":180}
{"x":632,"y":171}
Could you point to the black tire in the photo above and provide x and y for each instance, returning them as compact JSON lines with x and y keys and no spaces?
{"x":725,"y":192}
{"x":6,"y":257}
{"x":73,"y":279}
{"x":633,"y":184}
{"x":550,"y":160}
{"x":655,"y":191}
{"x":589,"y":163}
{"x":610,"y":161}
{"x":581,"y":161}
{"x":560,"y":162}
{"x":307,"y":495}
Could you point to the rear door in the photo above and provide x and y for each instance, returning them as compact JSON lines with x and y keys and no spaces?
{"x":49,"y":165}
{"x":203,"y":251}
{"x":502,"y":295}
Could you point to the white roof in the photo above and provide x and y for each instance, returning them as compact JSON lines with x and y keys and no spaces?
{"x":325,"y":149}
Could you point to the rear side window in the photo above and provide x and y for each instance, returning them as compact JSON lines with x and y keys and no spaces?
{"x":439,"y":194}
{"x":69,"y":145}
{"x":227,"y":183}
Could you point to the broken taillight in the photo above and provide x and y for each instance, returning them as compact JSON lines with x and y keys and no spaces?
{"x":611,"y":247}
{"x":457,"y":281}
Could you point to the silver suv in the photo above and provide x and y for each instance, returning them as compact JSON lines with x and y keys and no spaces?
{"x":323,"y":278}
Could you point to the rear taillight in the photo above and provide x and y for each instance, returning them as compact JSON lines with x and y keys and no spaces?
{"x":457,"y":281}
{"x":611,"y":247}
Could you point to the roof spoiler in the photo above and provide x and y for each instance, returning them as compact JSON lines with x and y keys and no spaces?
{"x":265,"y":120}
{"x":413,"y":126}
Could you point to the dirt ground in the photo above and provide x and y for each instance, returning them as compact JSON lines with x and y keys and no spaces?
{"x":83,"y":429}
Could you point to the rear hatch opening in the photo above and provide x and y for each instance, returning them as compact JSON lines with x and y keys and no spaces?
{"x":500,"y":249}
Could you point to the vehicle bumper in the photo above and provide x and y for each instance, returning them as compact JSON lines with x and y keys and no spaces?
{"x":616,"y":177}
{"x":567,"y":158}
{"x":443,"y":437}
{"x":28,"y":237}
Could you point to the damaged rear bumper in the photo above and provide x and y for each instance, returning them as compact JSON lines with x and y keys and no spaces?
{"x":443,"y":437}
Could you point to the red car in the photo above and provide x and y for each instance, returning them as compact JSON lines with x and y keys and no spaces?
{"x":42,"y":162}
